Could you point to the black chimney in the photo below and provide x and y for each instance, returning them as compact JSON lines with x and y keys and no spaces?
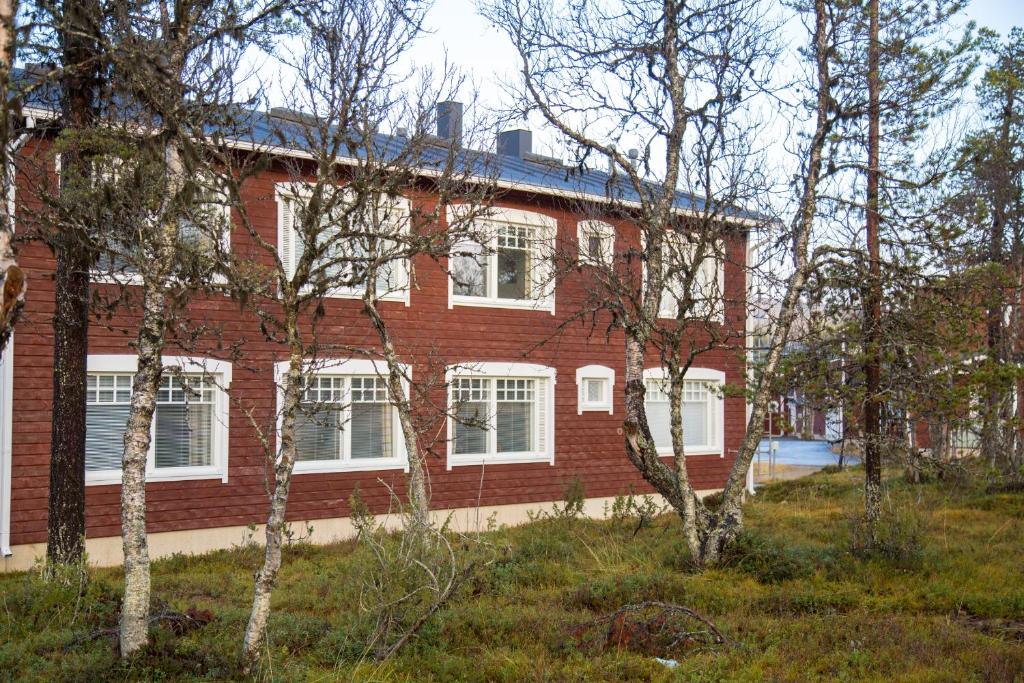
{"x":515,"y":143}
{"x":449,"y":121}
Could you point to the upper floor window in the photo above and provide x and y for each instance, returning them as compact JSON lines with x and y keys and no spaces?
{"x":189,"y":431}
{"x":346,"y":420}
{"x":706,"y":287}
{"x":508,"y":264}
{"x":596,"y":242}
{"x":351,"y":238}
{"x":502,"y":413}
{"x":204,"y":219}
{"x":702,"y":410}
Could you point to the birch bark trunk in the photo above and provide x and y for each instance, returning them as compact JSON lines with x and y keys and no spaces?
{"x":266,"y":579}
{"x":419,"y":500}
{"x":134,"y":626}
{"x":12,"y":280}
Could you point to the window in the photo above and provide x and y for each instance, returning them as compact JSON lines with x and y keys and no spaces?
{"x":345,"y":419}
{"x":597,"y":242}
{"x":346,"y":259}
{"x":594,"y":384}
{"x":503,"y":413}
{"x":702,"y":411}
{"x":208,"y":215}
{"x":189,"y":431}
{"x":510,"y":267}
{"x":707,"y":285}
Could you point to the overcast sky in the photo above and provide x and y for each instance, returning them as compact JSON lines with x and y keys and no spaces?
{"x":457,"y":29}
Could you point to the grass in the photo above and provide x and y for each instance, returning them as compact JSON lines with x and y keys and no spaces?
{"x":942,"y":600}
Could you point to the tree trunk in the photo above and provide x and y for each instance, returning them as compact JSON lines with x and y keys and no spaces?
{"x":66,"y":515}
{"x":12,"y":279}
{"x":723,"y":526}
{"x":134,"y":632}
{"x":688,"y":513}
{"x":873,"y":298}
{"x":419,"y":500}
{"x":79,"y":84}
{"x":256,"y":630}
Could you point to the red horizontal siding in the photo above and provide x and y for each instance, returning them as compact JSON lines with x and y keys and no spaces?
{"x":589,"y":445}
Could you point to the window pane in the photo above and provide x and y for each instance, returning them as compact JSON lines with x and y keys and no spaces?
{"x":318,"y":433}
{"x":514,"y":419}
{"x":594,"y":250}
{"x":695,"y":423}
{"x":659,"y":420}
{"x":515,"y":427}
{"x":104,"y":435}
{"x":471,"y":438}
{"x":371,"y":418}
{"x":184,"y":434}
{"x":513,"y":265}
{"x":595,"y":391}
{"x":469,"y":270}
{"x":184,"y":422}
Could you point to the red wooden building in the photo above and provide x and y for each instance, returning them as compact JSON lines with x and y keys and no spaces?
{"x":562,"y":400}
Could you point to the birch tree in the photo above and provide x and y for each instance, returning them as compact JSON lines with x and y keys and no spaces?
{"x":12,"y":280}
{"x":354,"y":224}
{"x":153,"y":185}
{"x":678,"y":76}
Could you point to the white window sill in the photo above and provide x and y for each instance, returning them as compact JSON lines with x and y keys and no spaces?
{"x":694,"y":450}
{"x":347,"y":293}
{"x":595,"y":408}
{"x":135,"y":280}
{"x":107,"y":477}
{"x":359,"y":465}
{"x":490,"y":302}
{"x":502,"y":459}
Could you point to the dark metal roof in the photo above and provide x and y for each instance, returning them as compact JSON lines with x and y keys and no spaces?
{"x":534,"y":173}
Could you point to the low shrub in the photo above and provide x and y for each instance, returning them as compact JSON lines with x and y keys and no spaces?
{"x":766,"y":560}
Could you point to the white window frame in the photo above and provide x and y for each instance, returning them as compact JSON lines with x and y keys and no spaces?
{"x":668,"y":308}
{"x":491,"y":370}
{"x":599,"y":373}
{"x":546,"y":229}
{"x":220,"y":372}
{"x":287,"y":192}
{"x":348,"y":368}
{"x":135,"y":279}
{"x":716,"y":413}
{"x":602,"y":230}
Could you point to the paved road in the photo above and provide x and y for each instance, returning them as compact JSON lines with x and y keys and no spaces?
{"x":799,"y":452}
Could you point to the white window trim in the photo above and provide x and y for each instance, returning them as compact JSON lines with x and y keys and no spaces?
{"x":135,"y":279}
{"x":599,"y":372}
{"x":717,"y":408}
{"x":668,"y":309}
{"x":291,"y":191}
{"x":605,"y":231}
{"x":499,"y":370}
{"x":218,"y":469}
{"x":6,"y":424}
{"x":549,"y":228}
{"x":347,"y":367}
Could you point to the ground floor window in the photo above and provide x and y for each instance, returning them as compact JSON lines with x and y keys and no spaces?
{"x":346,"y":420}
{"x":189,"y":431}
{"x":702,"y":411}
{"x":501,"y":413}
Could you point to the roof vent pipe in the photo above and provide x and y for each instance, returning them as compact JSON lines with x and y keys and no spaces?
{"x":515,"y":143}
{"x":449,"y":121}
